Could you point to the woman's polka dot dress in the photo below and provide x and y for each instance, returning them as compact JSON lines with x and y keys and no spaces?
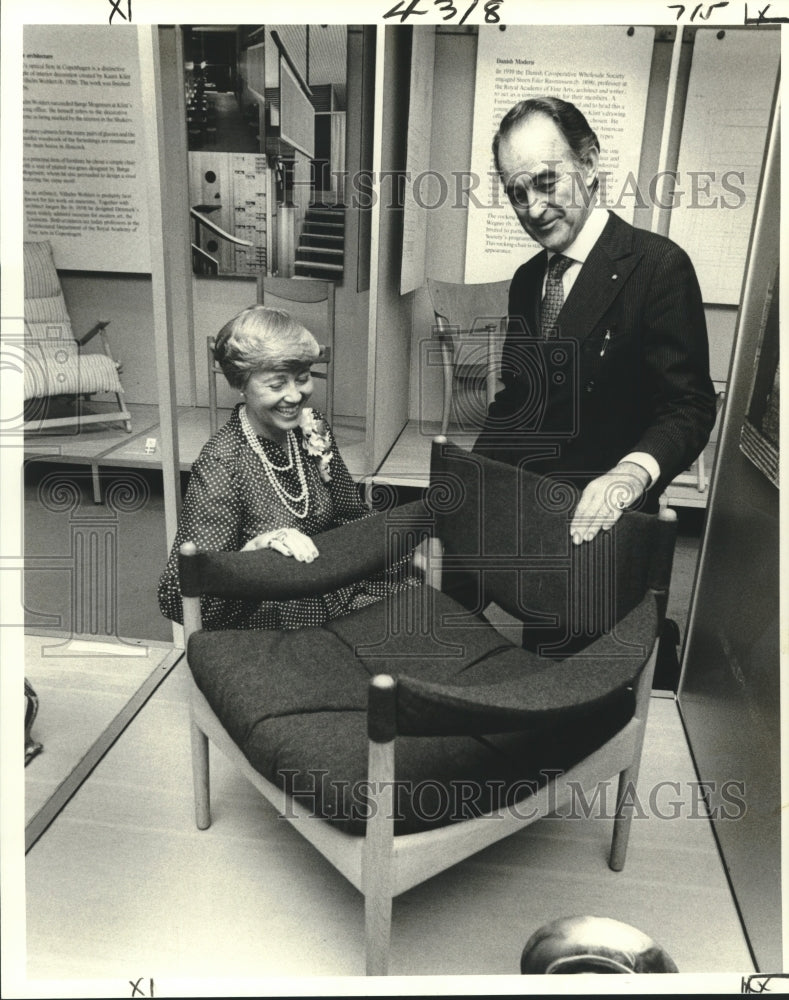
{"x":230,"y":500}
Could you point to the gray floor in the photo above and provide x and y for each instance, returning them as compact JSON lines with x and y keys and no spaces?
{"x":123,"y":884}
{"x":131,"y":548}
{"x":81,"y":687}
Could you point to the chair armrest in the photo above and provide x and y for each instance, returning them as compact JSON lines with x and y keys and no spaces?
{"x":347,"y":554}
{"x":602,"y":675}
{"x":99,"y":327}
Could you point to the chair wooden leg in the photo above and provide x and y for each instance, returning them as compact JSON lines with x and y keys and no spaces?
{"x":124,"y":413}
{"x":448,"y":368}
{"x":377,"y":932}
{"x":213,"y":416}
{"x":200,"y":777}
{"x":377,"y":859}
{"x":701,"y":472}
{"x":491,"y":364}
{"x":447,"y":410}
{"x":628,"y":778}
{"x":623,"y":817}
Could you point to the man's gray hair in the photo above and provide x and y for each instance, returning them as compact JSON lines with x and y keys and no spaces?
{"x":569,"y":120}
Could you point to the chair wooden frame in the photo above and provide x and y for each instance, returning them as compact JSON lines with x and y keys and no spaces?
{"x":445,"y":298}
{"x":381,"y":865}
{"x":82,"y":419}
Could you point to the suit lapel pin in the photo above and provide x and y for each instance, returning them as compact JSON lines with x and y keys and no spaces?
{"x":614,"y":277}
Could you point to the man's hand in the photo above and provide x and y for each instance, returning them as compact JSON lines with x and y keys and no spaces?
{"x":288,"y":541}
{"x":604,"y":499}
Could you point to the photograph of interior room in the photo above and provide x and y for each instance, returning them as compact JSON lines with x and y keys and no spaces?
{"x":175,"y":174}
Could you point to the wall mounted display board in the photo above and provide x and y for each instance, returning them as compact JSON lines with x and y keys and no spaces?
{"x":296,"y":113}
{"x":417,"y":197}
{"x":230,"y":190}
{"x":603,"y":70}
{"x":730,"y":93}
{"x":83,"y":147}
{"x":252,"y":67}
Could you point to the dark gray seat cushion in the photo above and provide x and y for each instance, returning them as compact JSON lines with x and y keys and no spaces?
{"x":295,"y":703}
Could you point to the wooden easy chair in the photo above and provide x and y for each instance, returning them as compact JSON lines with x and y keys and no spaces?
{"x":697,"y":474}
{"x":343,"y":727}
{"x":469,"y":323}
{"x":56,"y":366}
{"x":290,"y":294}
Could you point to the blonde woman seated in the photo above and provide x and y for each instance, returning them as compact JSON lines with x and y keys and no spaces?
{"x":272,"y":477}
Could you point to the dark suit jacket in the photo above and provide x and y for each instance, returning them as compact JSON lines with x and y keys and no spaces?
{"x":629,"y":370}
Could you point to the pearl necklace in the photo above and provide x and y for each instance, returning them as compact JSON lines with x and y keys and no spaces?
{"x":271,"y":470}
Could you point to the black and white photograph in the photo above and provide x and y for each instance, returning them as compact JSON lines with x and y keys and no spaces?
{"x":391,"y":498}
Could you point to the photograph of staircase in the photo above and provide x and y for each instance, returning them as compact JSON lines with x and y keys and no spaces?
{"x":322,"y":243}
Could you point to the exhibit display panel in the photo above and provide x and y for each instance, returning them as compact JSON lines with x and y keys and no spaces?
{"x":84,"y":147}
{"x":605,"y":71}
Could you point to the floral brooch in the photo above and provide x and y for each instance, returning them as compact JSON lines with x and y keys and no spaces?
{"x":316,"y":440}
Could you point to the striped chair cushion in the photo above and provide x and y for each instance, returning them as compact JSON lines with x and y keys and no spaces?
{"x":56,"y":369}
{"x":41,"y":278}
{"x":52,"y":331}
{"x":53,"y":364}
{"x":46,"y":316}
{"x":47,"y":309}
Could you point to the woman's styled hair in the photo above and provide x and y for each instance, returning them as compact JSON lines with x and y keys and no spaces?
{"x":569,"y":120}
{"x":260,"y":338}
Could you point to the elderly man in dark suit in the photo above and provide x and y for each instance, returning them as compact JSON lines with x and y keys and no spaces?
{"x":605,"y":364}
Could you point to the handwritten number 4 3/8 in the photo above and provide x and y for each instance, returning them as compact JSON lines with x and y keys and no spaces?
{"x":448,"y":9}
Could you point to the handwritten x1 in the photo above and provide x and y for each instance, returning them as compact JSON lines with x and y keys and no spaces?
{"x":116,"y":9}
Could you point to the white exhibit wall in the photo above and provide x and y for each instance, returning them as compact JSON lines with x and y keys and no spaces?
{"x":84,"y":146}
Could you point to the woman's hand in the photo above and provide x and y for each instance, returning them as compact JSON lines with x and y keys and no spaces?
{"x":288,"y":541}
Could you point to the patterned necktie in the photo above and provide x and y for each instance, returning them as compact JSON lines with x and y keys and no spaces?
{"x":553,"y":300}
